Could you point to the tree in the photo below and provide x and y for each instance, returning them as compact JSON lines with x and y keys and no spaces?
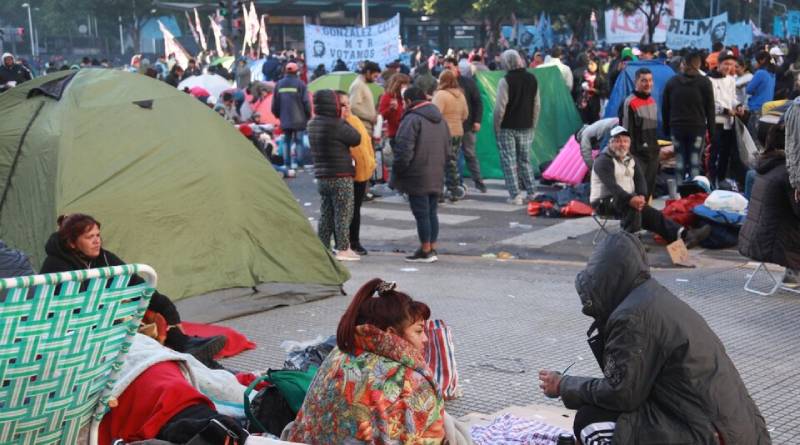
{"x":652,"y":10}
{"x":576,"y":13}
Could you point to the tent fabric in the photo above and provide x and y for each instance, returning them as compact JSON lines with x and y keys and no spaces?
{"x":559,"y":119}
{"x":625,"y":86}
{"x":174,"y":186}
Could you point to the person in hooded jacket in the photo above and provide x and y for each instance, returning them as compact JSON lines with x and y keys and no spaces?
{"x":11,"y":71}
{"x":77,"y":245}
{"x":421,"y":148}
{"x":666,"y":376}
{"x":330,"y":138}
{"x":771,"y":232}
{"x":290,"y":105}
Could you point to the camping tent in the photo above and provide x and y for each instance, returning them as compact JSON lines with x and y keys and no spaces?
{"x":341,"y":80}
{"x":559,"y":119}
{"x":173,"y":184}
{"x":625,"y":86}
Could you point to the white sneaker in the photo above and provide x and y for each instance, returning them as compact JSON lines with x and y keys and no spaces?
{"x":291,"y":173}
{"x":347,"y":255}
{"x":517,"y":200}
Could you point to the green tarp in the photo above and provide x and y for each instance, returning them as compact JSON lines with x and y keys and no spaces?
{"x":559,"y":119}
{"x":173,"y":184}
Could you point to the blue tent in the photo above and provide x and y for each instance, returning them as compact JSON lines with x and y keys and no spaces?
{"x":625,"y":86}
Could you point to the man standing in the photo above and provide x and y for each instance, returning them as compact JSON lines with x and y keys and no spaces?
{"x":555,"y":60}
{"x":639,"y":114}
{"x":362,"y":102}
{"x":473,"y":123}
{"x":666,"y":376}
{"x":13,"y":73}
{"x":726,"y":108}
{"x":291,"y":106}
{"x":516,"y":113}
{"x":688,"y":112}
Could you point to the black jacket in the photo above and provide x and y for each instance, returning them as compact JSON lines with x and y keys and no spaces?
{"x":771,"y":232}
{"x":664,"y":369}
{"x":330,"y":138}
{"x":61,"y":259}
{"x":15,"y":73}
{"x":688,"y":103}
{"x":420,"y":151}
{"x":474,"y":102}
{"x":603,"y":170}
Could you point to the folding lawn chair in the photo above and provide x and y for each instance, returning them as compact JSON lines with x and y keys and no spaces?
{"x":62,"y":340}
{"x":602,"y":213}
{"x":777,"y":283}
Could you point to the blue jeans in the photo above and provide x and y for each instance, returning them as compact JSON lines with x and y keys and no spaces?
{"x":688,"y":143}
{"x":295,"y":136}
{"x":424,"y":209}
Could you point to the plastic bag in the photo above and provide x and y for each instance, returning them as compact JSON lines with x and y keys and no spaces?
{"x":748,"y":150}
{"x":727,"y":201}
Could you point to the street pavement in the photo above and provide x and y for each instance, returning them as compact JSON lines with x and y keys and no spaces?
{"x":511,"y":318}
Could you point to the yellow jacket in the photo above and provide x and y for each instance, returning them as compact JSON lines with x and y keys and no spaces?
{"x":362,"y":153}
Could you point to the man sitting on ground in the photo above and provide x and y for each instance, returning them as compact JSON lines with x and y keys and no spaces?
{"x":619,"y":188}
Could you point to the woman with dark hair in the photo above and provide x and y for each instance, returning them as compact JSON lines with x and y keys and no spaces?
{"x":390,"y":105}
{"x":78,"y":245}
{"x":590,"y":88}
{"x":375,"y":387}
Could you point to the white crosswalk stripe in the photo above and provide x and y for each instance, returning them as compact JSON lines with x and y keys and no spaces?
{"x":557,"y":232}
{"x":406,"y":215}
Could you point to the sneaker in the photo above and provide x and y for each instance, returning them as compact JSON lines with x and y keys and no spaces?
{"x":204,"y":349}
{"x":347,"y":255}
{"x":791,"y":279}
{"x":291,"y":173}
{"x":359,"y":249}
{"x":693,"y":237}
{"x":422,"y":257}
{"x":452,"y":196}
{"x":516,"y":200}
{"x":481,"y":186}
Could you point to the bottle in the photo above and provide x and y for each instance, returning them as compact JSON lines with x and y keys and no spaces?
{"x":566,"y":439}
{"x":672,"y":188}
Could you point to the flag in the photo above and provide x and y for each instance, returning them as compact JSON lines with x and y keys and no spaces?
{"x":171,"y":46}
{"x":217,"y":36}
{"x":200,"y":32}
{"x":263,"y":38}
{"x":252,"y":23}
{"x":191,"y":28}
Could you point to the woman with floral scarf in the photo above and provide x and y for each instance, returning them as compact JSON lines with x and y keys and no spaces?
{"x":375,"y":387}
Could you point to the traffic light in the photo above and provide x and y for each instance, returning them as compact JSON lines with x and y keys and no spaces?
{"x":223,"y":8}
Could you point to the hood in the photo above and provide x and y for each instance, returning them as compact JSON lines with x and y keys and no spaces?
{"x":427,"y":110}
{"x":326,"y":103}
{"x":511,"y":60}
{"x":617,"y":266}
{"x":54,"y":247}
{"x":685,"y":79}
{"x":8,"y":55}
{"x":770,"y":160}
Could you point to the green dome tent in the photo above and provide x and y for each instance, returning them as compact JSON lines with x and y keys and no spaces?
{"x":173,"y":184}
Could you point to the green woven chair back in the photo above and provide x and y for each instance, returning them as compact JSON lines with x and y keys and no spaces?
{"x":62,"y":340}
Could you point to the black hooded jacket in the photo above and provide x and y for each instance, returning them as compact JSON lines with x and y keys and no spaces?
{"x":420,"y":151}
{"x":330,"y":138}
{"x":664,"y":369}
{"x":61,"y":259}
{"x":771,"y":232}
{"x":688,"y":103}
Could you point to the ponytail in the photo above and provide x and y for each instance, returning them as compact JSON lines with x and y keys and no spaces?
{"x":378,"y":303}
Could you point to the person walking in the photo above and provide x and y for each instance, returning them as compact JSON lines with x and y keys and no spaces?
{"x":666,"y":377}
{"x":473,"y":123}
{"x":364,"y":158}
{"x":362,"y":102}
{"x":723,"y":146}
{"x":330,"y":138}
{"x":516,"y":113}
{"x":421,"y":147}
{"x":688,"y":113}
{"x":450,"y":101}
{"x":291,"y":106}
{"x":639,"y":114}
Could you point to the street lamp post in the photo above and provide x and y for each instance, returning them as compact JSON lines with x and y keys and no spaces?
{"x":30,"y":28}
{"x":364,"y":14}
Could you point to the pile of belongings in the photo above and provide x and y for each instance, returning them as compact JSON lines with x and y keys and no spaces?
{"x":572,"y":201}
{"x":723,"y":210}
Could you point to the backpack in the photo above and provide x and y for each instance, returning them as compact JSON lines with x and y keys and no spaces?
{"x":278,"y":401}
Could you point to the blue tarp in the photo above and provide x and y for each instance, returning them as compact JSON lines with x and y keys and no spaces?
{"x":625,"y":86}
{"x":739,"y":34}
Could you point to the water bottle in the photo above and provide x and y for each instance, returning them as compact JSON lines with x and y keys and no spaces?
{"x":566,"y":439}
{"x":672,"y":187}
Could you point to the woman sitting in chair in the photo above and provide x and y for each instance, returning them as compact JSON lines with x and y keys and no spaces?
{"x":77,"y":245}
{"x":375,"y":387}
{"x":771,"y":232}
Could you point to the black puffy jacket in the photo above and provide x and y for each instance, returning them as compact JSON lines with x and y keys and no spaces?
{"x":420,"y":151}
{"x":664,"y":369}
{"x":330,"y":138}
{"x":771,"y":232}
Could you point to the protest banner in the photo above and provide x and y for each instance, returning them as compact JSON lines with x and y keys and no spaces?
{"x":739,"y":34}
{"x":787,"y":25}
{"x":697,"y":33}
{"x":621,"y":28}
{"x":378,"y":43}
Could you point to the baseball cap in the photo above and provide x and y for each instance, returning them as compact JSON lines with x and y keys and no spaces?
{"x":725,"y":55}
{"x":618,"y":130}
{"x":291,"y":67}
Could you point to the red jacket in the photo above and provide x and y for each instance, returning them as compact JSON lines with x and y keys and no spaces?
{"x":392,"y":117}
